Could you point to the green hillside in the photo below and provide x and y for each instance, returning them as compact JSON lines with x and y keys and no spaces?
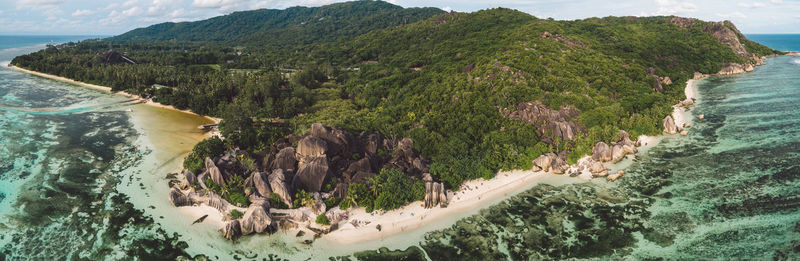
{"x":448,"y":82}
{"x":292,"y":26}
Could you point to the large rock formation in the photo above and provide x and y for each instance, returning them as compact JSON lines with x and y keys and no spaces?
{"x":735,"y":68}
{"x":285,"y":160}
{"x":544,"y":162}
{"x":557,"y":123}
{"x":188,"y":179}
{"x":179,"y":199}
{"x":312,"y":174}
{"x":261,"y":183}
{"x":277,"y":182}
{"x":319,"y":206}
{"x":310,"y":148}
{"x":602,"y":152}
{"x":257,"y":218}
{"x":232,"y":230}
{"x":560,"y":166}
{"x":339,"y":141}
{"x":617,"y":153}
{"x":435,"y":195}
{"x":669,"y":125}
{"x":214,"y":173}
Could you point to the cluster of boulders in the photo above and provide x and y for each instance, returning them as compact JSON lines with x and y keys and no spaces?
{"x":435,"y":195}
{"x":323,"y":155}
{"x":601,"y":153}
{"x":330,"y":152}
{"x":557,"y":123}
{"x":658,"y":84}
{"x":735,"y":68}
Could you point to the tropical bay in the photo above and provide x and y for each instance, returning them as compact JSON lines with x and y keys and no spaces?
{"x":427,"y":135}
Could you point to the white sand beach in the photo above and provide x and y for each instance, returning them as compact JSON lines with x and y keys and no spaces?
{"x":475,"y":194}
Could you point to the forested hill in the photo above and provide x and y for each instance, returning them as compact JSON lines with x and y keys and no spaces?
{"x":476,"y":92}
{"x":292,"y":26}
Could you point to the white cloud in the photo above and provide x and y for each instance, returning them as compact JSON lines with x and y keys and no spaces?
{"x":777,"y":1}
{"x":670,"y":7}
{"x":447,"y":9}
{"x":753,"y":5}
{"x":38,"y":3}
{"x":82,"y":13}
{"x":736,"y":14}
{"x":207,"y":3}
{"x":133,"y":11}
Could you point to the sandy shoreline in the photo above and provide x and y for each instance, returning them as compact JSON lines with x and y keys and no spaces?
{"x":108,"y":89}
{"x":413,"y":216}
{"x":477,"y":194}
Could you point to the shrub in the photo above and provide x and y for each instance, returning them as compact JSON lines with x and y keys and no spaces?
{"x":206,"y":148}
{"x":322,"y":219}
{"x":236,"y":214}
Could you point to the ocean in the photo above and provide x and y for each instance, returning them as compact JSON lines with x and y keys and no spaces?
{"x":782,"y":42}
{"x":83,"y":175}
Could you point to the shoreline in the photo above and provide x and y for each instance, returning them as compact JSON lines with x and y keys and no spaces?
{"x":413,"y":217}
{"x":108,"y":89}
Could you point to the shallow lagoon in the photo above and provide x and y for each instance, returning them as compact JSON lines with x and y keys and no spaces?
{"x":86,"y":178}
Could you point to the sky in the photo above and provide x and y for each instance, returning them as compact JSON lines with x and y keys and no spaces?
{"x":112,"y":17}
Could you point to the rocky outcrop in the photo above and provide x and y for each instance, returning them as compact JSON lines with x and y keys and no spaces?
{"x":232,"y":230}
{"x":596,"y":167}
{"x":549,"y":123}
{"x":261,"y":183}
{"x":560,"y":166}
{"x":543,"y":162}
{"x":669,"y":125}
{"x":256,"y":219}
{"x":213,"y":172}
{"x":407,"y":159}
{"x":319,"y":205}
{"x":617,"y":153}
{"x":215,"y":201}
{"x":735,"y":68}
{"x":188,"y":179}
{"x":277,"y":182}
{"x":179,"y":199}
{"x":697,"y":76}
{"x":339,"y":141}
{"x":435,"y":195}
{"x":310,"y":148}
{"x":311,"y":175}
{"x":563,"y":39}
{"x":602,"y":152}
{"x":285,"y":160}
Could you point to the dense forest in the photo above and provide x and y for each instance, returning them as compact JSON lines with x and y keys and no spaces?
{"x":444,"y":80}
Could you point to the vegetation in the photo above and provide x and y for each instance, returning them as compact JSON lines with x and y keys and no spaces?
{"x":232,"y":192}
{"x":236,"y":214}
{"x":322,"y":219}
{"x":442,"y":79}
{"x":206,"y":148}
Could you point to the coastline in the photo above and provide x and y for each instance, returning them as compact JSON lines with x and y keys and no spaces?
{"x":479,"y":195}
{"x":108,"y":89}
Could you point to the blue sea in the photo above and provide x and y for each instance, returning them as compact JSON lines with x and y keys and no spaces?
{"x":83,"y":175}
{"x":781,"y":42}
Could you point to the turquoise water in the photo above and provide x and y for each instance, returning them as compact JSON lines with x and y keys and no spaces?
{"x":59,"y":173}
{"x":729,"y":190}
{"x":72,"y":186}
{"x":783,"y":42}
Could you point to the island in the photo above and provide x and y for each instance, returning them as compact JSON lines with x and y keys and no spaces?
{"x":337,"y":114}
